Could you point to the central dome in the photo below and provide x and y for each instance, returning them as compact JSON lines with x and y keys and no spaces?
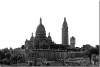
{"x":40,"y":29}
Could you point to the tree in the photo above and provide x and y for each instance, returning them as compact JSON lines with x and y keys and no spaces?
{"x":2,"y":55}
{"x":92,"y":51}
{"x":86,"y":47}
{"x":23,"y":47}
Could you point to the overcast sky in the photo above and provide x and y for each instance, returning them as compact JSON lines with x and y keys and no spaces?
{"x":19,"y":18}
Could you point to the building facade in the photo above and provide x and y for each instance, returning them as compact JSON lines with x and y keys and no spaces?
{"x":42,"y":46}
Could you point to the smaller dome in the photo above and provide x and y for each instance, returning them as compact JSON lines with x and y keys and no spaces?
{"x":40,"y":29}
{"x":26,"y":41}
{"x":32,"y":38}
{"x":49,"y":37}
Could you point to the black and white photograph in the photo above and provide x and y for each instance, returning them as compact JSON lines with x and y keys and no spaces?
{"x":45,"y":33}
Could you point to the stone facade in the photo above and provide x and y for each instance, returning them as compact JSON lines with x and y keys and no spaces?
{"x":42,"y":46}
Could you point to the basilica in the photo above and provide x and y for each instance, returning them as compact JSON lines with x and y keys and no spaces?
{"x":42,"y":46}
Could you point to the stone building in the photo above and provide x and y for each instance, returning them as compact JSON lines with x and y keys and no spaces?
{"x":42,"y":46}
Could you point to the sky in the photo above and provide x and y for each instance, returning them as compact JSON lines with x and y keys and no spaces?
{"x":19,"y":18}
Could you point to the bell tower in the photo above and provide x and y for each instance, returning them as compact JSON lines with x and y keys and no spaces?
{"x":72,"y":42}
{"x":65,"y":32}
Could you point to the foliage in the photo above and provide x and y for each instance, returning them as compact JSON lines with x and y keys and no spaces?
{"x":92,"y":51}
{"x":8,"y":56}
